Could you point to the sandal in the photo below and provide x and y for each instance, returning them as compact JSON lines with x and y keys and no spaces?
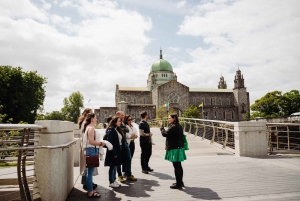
{"x":94,"y":195}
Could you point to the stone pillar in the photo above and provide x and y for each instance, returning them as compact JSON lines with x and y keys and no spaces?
{"x":54,"y":173}
{"x":250,"y":139}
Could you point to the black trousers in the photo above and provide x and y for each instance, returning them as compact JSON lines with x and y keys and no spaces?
{"x":178,"y":173}
{"x":146,"y":152}
{"x":132,"y":148}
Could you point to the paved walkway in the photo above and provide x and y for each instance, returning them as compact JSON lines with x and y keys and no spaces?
{"x":210,"y":173}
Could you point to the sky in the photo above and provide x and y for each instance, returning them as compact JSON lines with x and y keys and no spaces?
{"x":92,"y":45}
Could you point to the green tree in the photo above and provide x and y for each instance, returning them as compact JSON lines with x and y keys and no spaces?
{"x":22,"y":94}
{"x":172,"y":111}
{"x":275,"y":104}
{"x":192,"y":112}
{"x":290,"y":102}
{"x":268,"y":105}
{"x":72,"y":106}
{"x":161,"y":112}
{"x":55,"y":115}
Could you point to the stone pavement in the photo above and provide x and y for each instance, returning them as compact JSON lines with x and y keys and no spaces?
{"x":210,"y":173}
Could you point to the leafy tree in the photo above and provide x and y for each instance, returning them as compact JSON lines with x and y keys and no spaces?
{"x":55,"y":115}
{"x":172,"y":111}
{"x":72,"y":106}
{"x":192,"y":112}
{"x":274,"y":104}
{"x":22,"y":94}
{"x":290,"y":102}
{"x":161,"y":112}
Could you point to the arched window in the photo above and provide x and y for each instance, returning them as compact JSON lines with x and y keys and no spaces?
{"x":173,"y":98}
{"x":134,"y":100}
{"x":232,"y":115}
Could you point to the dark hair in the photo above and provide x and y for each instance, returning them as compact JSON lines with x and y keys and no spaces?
{"x":113,"y":123}
{"x":83,"y":115}
{"x":88,"y":120}
{"x":143,"y":114}
{"x":175,"y":117}
{"x":126,"y":119}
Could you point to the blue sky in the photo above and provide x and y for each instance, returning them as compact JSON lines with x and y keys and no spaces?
{"x":92,"y":45}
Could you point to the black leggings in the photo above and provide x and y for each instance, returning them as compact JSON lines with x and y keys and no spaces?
{"x":178,"y":173}
{"x":132,"y":148}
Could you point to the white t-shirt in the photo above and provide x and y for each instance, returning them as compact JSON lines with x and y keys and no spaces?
{"x":86,"y":142}
{"x":132,"y":130}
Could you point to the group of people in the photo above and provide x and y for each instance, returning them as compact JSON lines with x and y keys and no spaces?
{"x":119,"y":139}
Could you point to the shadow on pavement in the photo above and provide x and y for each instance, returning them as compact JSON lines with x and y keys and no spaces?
{"x":162,"y":176}
{"x":138,"y":188}
{"x":201,"y":193}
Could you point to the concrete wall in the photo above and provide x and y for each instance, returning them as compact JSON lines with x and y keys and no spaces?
{"x":76,"y":147}
{"x":54,"y":172}
{"x":250,"y":139}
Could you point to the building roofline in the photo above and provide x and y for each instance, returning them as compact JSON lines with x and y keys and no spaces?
{"x":133,"y":89}
{"x":211,"y":90}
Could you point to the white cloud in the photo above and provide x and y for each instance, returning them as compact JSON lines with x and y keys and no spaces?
{"x":181,"y":4}
{"x":105,"y":48}
{"x":262,"y":37}
{"x":21,"y":9}
{"x":175,"y":49}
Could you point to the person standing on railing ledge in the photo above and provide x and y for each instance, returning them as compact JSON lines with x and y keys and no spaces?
{"x":175,"y":148}
{"x":145,"y":143}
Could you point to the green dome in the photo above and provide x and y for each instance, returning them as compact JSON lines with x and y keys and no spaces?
{"x":161,"y":65}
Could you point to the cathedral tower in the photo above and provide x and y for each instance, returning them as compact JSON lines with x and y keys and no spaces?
{"x":241,"y":96}
{"x":222,"y":83}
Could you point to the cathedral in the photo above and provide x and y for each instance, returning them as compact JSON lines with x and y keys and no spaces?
{"x":164,"y":89}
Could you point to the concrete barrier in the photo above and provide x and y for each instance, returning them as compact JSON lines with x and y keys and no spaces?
{"x":250,"y":139}
{"x":54,"y":168}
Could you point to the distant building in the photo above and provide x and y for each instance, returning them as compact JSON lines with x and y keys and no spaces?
{"x":162,"y":87}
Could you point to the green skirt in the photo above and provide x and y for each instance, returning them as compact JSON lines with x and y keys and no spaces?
{"x":175,"y":155}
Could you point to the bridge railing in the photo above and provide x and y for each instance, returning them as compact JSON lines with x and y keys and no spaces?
{"x":283,"y":137}
{"x":242,"y":138}
{"x":216,"y":132}
{"x":48,"y":146}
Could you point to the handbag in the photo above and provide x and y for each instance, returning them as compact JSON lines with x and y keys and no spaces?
{"x":92,"y":161}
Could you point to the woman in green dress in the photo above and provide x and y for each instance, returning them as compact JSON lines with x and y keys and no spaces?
{"x":175,"y":149}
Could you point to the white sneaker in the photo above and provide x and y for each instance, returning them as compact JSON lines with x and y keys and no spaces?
{"x":118,"y":183}
{"x":114,"y":185}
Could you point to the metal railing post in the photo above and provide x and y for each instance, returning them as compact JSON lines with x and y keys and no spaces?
{"x":196,"y":132}
{"x":226,"y":138}
{"x":214,"y":132}
{"x":204,"y":132}
{"x":288,"y":136}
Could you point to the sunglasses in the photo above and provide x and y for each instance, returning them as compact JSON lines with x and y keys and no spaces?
{"x":129,"y":119}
